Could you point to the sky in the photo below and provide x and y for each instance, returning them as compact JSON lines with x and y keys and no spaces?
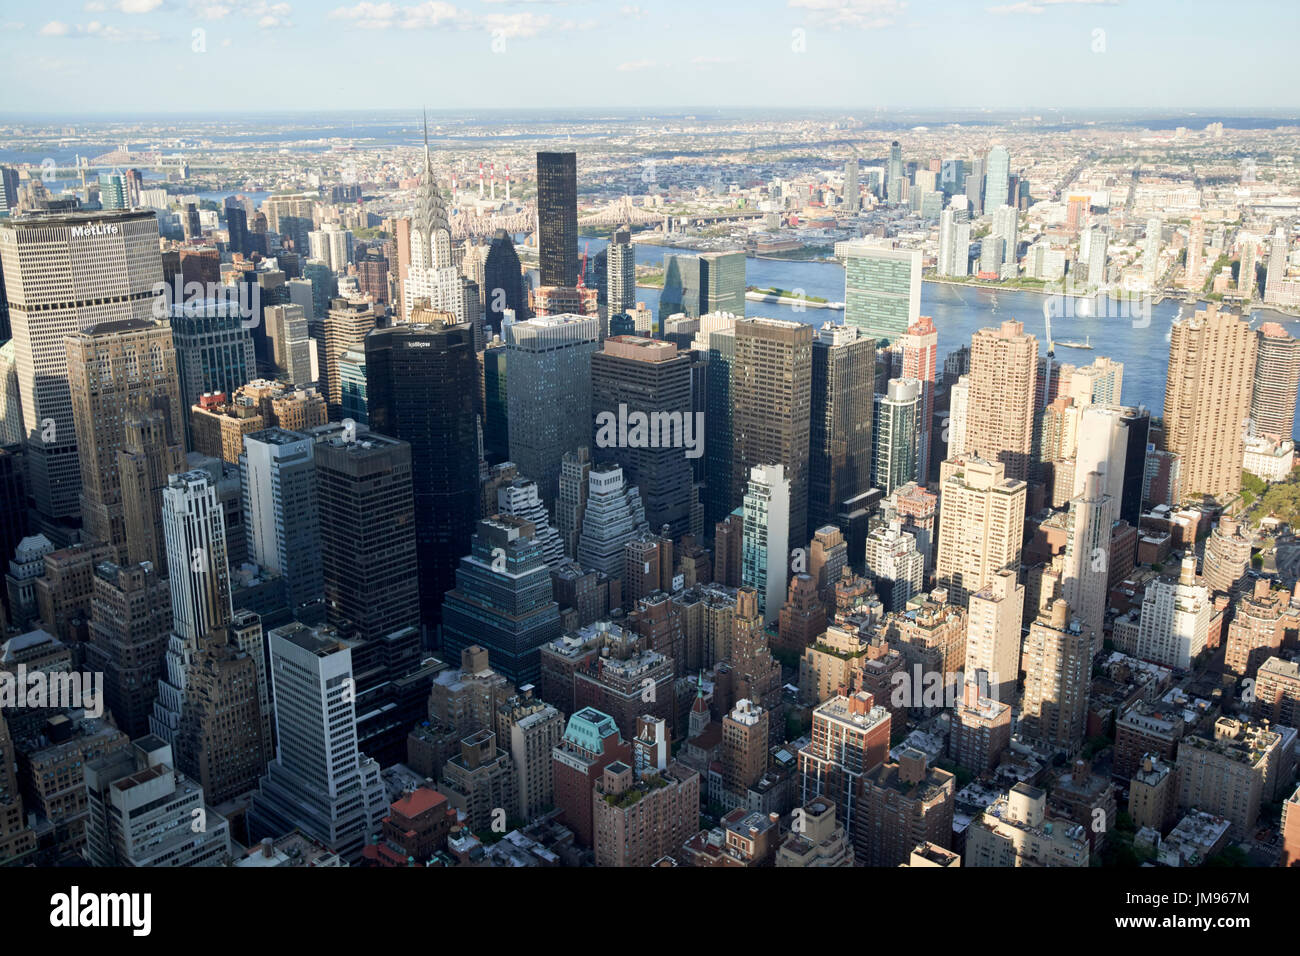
{"x":88,"y":57}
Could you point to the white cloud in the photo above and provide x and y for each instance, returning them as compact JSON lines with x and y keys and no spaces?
{"x":12,"y":25}
{"x":97,"y":30}
{"x":265,"y":15}
{"x":137,"y":6}
{"x":439,"y":14}
{"x":860,"y":14}
{"x":632,"y":11}
{"x":383,"y":16}
{"x":1036,"y":7}
{"x":713,"y":60}
{"x":634,"y":66}
{"x":95,"y":6}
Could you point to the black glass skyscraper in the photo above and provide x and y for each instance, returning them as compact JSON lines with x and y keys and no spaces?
{"x":503,"y":282}
{"x":421,"y":383}
{"x":557,"y":217}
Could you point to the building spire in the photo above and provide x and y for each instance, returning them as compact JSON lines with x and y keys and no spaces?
{"x":428,"y":162}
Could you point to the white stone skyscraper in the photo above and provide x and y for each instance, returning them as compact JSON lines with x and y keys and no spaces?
{"x":432,"y":274}
{"x":1005,"y":228}
{"x":320,"y":781}
{"x":764,"y":558}
{"x":993,"y":634}
{"x":1085,"y":579}
{"x":520,"y":499}
{"x":894,"y":564}
{"x":954,"y":244}
{"x":621,"y":276}
{"x":1175,"y":621}
{"x":194,"y":528}
{"x":613,"y":516}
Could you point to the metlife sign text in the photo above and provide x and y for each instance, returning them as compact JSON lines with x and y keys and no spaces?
{"x":95,"y":229}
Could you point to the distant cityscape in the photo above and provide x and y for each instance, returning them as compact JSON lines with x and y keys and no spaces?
{"x":587,"y":491}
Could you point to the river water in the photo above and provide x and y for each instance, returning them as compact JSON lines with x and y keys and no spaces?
{"x":1141,"y":343}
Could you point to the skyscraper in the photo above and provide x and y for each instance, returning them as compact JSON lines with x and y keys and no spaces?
{"x":199,"y":574}
{"x":519,"y":499}
{"x":1085,"y":580}
{"x":613,"y":516}
{"x":717,"y":340}
{"x":367,"y":531}
{"x":1175,"y":618}
{"x":634,"y":376}
{"x":1000,"y":415}
{"x":1005,"y":229}
{"x":843,"y":390}
{"x":852,"y":201}
{"x":130,"y":622}
{"x":142,"y":811}
{"x":291,"y":346}
{"x":997,"y":179}
{"x":1277,"y":379}
{"x":1057,"y":660}
{"x":981,"y":525}
{"x":345,"y":327}
{"x":557,"y":218}
{"x":503,"y":283}
{"x":954,"y":245}
{"x":894,"y":565}
{"x":319,"y":781}
{"x":431,"y":276}
{"x":421,"y":383}
{"x":117,"y":372}
{"x":1212,"y":359}
{"x":502,"y":600}
{"x":698,"y":285}
{"x":897,"y":430}
{"x":771,"y":391}
{"x":549,"y":394}
{"x":107,"y":267}
{"x":621,"y":281}
{"x":1276,"y":286}
{"x":920,"y":354}
{"x":281,"y":512}
{"x":993,"y":635}
{"x":195,"y":531}
{"x":882,"y":289}
{"x":214,"y":350}
{"x":764,"y":564}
